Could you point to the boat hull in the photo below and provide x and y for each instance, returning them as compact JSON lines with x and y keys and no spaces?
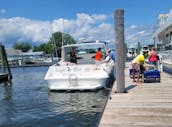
{"x":77,"y":84}
{"x":167,"y":67}
{"x":84,"y":77}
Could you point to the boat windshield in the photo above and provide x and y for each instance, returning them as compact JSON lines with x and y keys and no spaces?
{"x":84,"y":53}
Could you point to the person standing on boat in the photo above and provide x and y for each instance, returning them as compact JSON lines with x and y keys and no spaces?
{"x":112,"y":56}
{"x":107,"y":57}
{"x":73,"y":56}
{"x":98,"y":57}
{"x":153,"y":57}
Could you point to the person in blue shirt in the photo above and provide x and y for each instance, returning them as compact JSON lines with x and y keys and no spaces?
{"x":112,"y":56}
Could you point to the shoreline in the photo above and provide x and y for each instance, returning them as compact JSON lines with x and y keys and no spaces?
{"x":31,"y":65}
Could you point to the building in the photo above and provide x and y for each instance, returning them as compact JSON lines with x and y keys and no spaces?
{"x":163,"y":34}
{"x":19,"y":58}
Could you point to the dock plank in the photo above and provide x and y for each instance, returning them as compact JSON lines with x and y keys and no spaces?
{"x":145,"y":104}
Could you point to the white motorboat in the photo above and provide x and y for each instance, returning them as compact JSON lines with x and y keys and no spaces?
{"x":166,"y":60}
{"x":85,"y":75}
{"x":131,"y":53}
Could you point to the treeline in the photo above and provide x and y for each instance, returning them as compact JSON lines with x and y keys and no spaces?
{"x":53,"y":46}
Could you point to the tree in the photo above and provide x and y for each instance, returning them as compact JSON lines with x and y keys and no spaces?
{"x":125,"y":48}
{"x":23,"y":46}
{"x":45,"y":47}
{"x":53,"y":46}
{"x":138,"y":47}
{"x":56,"y":41}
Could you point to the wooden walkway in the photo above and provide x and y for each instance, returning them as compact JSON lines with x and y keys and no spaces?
{"x":145,"y":104}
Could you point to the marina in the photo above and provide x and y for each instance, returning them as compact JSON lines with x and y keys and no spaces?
{"x":67,"y":81}
{"x":145,"y":104}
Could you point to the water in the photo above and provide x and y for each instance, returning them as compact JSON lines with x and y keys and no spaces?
{"x":29,"y":103}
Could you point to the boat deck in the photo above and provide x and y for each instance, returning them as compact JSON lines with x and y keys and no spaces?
{"x":144,"y":104}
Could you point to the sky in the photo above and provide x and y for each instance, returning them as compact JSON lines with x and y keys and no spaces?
{"x":35,"y":20}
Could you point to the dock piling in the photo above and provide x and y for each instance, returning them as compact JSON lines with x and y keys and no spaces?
{"x":4,"y":64}
{"x":119,"y":49}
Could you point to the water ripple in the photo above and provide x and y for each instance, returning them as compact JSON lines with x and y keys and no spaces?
{"x":28,"y":102}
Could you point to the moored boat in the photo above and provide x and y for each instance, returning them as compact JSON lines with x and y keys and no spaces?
{"x":85,"y":75}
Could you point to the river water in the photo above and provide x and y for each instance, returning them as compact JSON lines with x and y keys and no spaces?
{"x":27,"y":102}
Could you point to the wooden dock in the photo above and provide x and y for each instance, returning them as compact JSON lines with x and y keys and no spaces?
{"x":145,"y":104}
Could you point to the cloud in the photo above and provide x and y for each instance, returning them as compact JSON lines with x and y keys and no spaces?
{"x":141,"y":34}
{"x":133,"y":26}
{"x":100,"y":17}
{"x":90,"y":27}
{"x":21,"y":29}
{"x":2,"y":11}
{"x":170,"y":15}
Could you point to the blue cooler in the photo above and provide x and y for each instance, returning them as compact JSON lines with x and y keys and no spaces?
{"x":153,"y":75}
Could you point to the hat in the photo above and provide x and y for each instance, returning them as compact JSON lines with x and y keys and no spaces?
{"x":109,"y":50}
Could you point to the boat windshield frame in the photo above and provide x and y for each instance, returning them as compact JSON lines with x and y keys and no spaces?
{"x":84,"y":51}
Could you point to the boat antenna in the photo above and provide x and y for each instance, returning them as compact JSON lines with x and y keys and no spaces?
{"x":53,"y":41}
{"x":62,"y":29}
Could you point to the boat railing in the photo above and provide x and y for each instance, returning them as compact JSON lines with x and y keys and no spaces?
{"x":166,"y":55}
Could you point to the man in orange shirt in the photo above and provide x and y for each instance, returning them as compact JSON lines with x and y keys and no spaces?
{"x":98,"y":57}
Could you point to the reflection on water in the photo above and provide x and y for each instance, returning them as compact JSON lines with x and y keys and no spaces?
{"x":83,"y":107}
{"x":6,"y":93}
{"x":78,"y":100}
{"x":28,"y":102}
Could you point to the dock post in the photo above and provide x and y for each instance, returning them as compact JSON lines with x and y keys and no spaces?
{"x":119,"y":49}
{"x":4,"y":62}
